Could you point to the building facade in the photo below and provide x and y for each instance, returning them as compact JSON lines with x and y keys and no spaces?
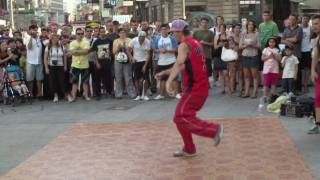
{"x":231,"y":10}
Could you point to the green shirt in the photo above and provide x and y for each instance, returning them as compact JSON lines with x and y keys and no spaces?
{"x":80,"y":62}
{"x":208,"y":36}
{"x":267,"y":30}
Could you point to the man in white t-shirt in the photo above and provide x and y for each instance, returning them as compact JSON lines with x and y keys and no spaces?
{"x":140,"y":47}
{"x":306,"y":52}
{"x":34,"y":67}
{"x":166,"y":48}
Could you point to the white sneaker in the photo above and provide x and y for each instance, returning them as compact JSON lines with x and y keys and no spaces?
{"x":56,"y":98}
{"x":145,"y":98}
{"x":138,"y":98}
{"x":159,"y":97}
{"x":86,"y":98}
{"x":178,"y":96}
{"x":70,"y":99}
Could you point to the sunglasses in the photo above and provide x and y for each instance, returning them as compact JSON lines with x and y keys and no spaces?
{"x":89,"y":31}
{"x":80,"y":34}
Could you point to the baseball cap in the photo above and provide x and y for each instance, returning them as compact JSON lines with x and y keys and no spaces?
{"x":178,"y":25}
{"x":142,"y":34}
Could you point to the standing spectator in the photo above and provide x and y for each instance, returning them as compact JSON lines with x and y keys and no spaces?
{"x":5,"y":34}
{"x":109,"y":27}
{"x":267,"y":28}
{"x":134,"y":30}
{"x":231,"y":65}
{"x":250,"y":45}
{"x":144,"y":26}
{"x":306,"y":52}
{"x":219,"y":22}
{"x":219,"y":65}
{"x":103,"y":63}
{"x":195,"y":25}
{"x":290,"y":69}
{"x":5,"y":55}
{"x":65,"y":40}
{"x":123,"y":66}
{"x":140,"y":47}
{"x":91,"y":56}
{"x":166,"y":47}
{"x":79,"y":49}
{"x":236,"y":34}
{"x":34,"y":67}
{"x":206,"y":38}
{"x":155,"y":56}
{"x":315,"y":73}
{"x":292,"y":36}
{"x":126,"y":27}
{"x":55,"y":63}
{"x":17,"y":35}
{"x":16,"y":55}
{"x":23,"y":52}
{"x":271,"y":58}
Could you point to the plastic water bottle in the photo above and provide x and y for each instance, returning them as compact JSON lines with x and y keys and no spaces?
{"x":261,"y":105}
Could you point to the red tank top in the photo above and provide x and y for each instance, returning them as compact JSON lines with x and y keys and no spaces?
{"x":195,"y":75}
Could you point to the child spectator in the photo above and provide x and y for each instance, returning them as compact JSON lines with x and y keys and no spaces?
{"x":271,"y":58}
{"x":290,"y":69}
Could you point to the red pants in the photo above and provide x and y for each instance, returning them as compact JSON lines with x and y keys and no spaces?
{"x":188,"y":123}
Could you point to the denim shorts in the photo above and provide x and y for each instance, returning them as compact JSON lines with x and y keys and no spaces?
{"x":250,"y":62}
{"x":34,"y":72}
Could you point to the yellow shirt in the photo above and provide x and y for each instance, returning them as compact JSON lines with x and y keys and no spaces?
{"x":80,"y":62}
{"x":118,"y":42}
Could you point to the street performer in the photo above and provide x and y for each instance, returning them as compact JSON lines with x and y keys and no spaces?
{"x":315,"y":73}
{"x":191,"y":60}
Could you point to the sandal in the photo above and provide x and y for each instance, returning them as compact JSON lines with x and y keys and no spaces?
{"x":246,"y":96}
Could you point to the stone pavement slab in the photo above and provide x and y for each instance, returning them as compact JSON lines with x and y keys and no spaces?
{"x":252,"y":149}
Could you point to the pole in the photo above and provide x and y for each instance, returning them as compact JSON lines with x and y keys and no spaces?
{"x":11,"y":15}
{"x":184,"y":9}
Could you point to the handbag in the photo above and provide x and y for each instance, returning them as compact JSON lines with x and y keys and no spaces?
{"x":122,"y":57}
{"x":228,"y":55}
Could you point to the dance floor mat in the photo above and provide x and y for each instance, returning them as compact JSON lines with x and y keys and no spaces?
{"x":252,"y":149}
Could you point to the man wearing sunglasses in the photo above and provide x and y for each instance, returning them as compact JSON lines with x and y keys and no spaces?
{"x":79,"y":49}
{"x":5,"y":34}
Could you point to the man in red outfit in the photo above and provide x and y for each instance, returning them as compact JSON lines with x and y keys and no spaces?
{"x":190,"y":60}
{"x":315,"y":73}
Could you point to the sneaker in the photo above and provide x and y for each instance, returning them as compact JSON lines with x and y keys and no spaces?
{"x":181,"y":153}
{"x":71,"y":99}
{"x":159,"y":97}
{"x":145,"y":98}
{"x":178,"y":96}
{"x":56,"y":98}
{"x":314,"y":130}
{"x":86,"y":98}
{"x":138,"y":98}
{"x":219,"y":135}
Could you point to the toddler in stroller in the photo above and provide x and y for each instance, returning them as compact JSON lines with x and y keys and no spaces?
{"x":14,"y":85}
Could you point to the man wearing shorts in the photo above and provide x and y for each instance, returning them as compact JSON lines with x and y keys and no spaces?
{"x":166,"y":48}
{"x":140,"y":47}
{"x":79,"y":49}
{"x":190,"y":60}
{"x":34,"y":68}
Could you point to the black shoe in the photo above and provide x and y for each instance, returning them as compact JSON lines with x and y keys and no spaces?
{"x":98,"y":98}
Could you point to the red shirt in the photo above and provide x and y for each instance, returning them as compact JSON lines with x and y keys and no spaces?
{"x":195,"y":75}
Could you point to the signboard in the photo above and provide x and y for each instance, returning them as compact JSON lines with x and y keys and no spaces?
{"x":105,"y":13}
{"x":127,"y":3}
{"x":122,"y":18}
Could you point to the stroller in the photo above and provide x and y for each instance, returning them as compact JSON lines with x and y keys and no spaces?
{"x":15,"y":89}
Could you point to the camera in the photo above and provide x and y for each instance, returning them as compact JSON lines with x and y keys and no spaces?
{"x":54,"y":62}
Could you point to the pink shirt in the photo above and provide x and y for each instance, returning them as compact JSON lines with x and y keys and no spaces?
{"x":271,"y":65}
